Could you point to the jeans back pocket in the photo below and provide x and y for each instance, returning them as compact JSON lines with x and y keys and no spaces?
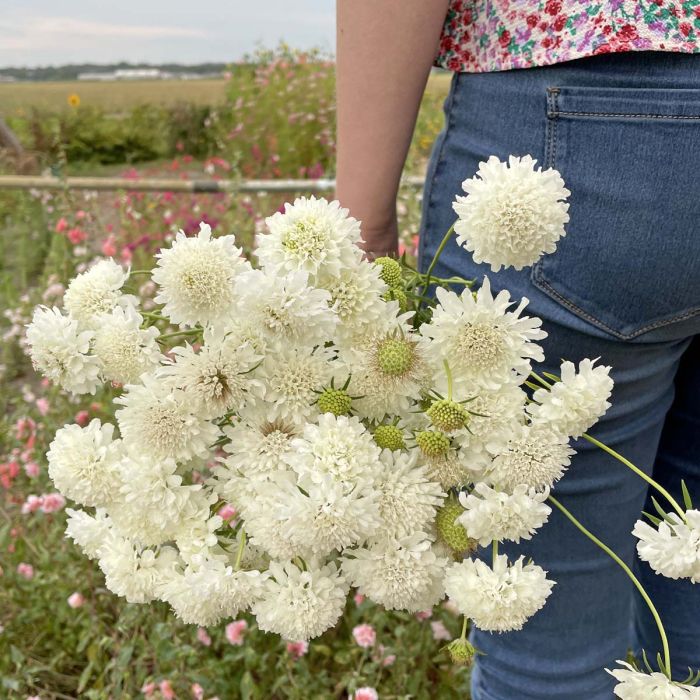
{"x":630,"y":262}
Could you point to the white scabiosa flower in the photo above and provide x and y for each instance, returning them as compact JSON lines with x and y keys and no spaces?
{"x":196,"y":277}
{"x":408,"y":499}
{"x":286,"y":307}
{"x":636,"y":685}
{"x":499,"y":599}
{"x":672,"y":549}
{"x":328,"y":516}
{"x":217,"y":377}
{"x":312,"y":235}
{"x":513,"y":213}
{"x":89,"y":532}
{"x":160,"y":422}
{"x":400,"y":574}
{"x":291,"y":376}
{"x":96,"y":291}
{"x":300,"y":605}
{"x":61,"y":351}
{"x":338,"y":446}
{"x":534,"y":456}
{"x":492,"y":515}
{"x":486,"y":344}
{"x":571,"y":406}
{"x":124,"y":349}
{"x":85,"y":463}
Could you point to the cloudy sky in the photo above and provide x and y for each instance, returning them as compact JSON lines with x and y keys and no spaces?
{"x":41,"y":32}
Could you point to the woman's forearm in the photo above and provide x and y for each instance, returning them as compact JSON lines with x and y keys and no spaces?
{"x":385,"y":49}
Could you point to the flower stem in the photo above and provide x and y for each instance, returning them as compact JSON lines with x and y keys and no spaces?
{"x":239,"y":553}
{"x":465,"y":623}
{"x":495,"y":552}
{"x":437,"y":255}
{"x":633,"y":578}
{"x":639,"y":473}
{"x":449,"y":379}
{"x":140,"y":272}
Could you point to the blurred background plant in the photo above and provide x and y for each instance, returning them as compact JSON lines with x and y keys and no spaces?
{"x":62,"y":635}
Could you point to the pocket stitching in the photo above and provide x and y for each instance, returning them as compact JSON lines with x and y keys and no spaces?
{"x":627,"y":115}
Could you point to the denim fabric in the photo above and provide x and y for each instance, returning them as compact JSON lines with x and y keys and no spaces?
{"x":624,"y":285}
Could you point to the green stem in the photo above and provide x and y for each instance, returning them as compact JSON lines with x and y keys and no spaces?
{"x":437,"y":255}
{"x":639,"y":473}
{"x":633,"y":578}
{"x":239,"y":553}
{"x":166,"y":336}
{"x":495,"y":552}
{"x":449,"y":379}
{"x":464,"y":627}
{"x":141,"y":272}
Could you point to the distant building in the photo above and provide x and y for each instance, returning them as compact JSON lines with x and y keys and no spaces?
{"x":7,"y":79}
{"x":144,"y":74}
{"x":96,"y":76}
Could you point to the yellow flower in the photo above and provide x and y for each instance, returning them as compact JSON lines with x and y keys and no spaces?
{"x":74,"y":100}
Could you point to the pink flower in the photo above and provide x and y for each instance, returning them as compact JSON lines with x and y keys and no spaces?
{"x":32,"y":504}
{"x":52,"y":502}
{"x":197,"y":691}
{"x":365,"y":693}
{"x":203,"y":637}
{"x":82,"y":418}
{"x":440,"y":632}
{"x":297,"y":649}
{"x":76,"y":600}
{"x":61,"y":225}
{"x":76,"y":235}
{"x":31,"y":469}
{"x":235,"y":631}
{"x":148,"y":689}
{"x":25,"y":570}
{"x":358,"y":598}
{"x":388,"y":660}
{"x":227,"y":511}
{"x":365,"y":636}
{"x":424,"y":614}
{"x":166,"y":690}
{"x":109,"y":247}
{"x":43,"y":406}
{"x":33,"y":697}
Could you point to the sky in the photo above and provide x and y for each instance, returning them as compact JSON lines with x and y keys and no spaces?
{"x":51,"y":32}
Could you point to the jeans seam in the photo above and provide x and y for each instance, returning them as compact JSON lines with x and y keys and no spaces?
{"x":624,"y":115}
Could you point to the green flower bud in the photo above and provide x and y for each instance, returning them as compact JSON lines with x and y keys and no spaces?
{"x":451,"y":532}
{"x":447,"y":415}
{"x":397,"y":294}
{"x":390,"y":271}
{"x":433,"y":443}
{"x":389,"y":437}
{"x":335,"y":401}
{"x":461,"y":652}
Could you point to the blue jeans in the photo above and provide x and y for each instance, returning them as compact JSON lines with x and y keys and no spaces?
{"x":624,"y":285}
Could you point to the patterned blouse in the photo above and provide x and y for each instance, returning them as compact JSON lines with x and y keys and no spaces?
{"x":494,"y":35}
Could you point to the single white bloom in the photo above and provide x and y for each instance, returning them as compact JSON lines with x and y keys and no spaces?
{"x":125,"y":350}
{"x":300,"y":605}
{"x":492,"y":515}
{"x":89,"y":532}
{"x":85,"y":463}
{"x":408,"y":499}
{"x":160,"y":422}
{"x":291,"y":376}
{"x":338,"y":446}
{"x":499,"y":599}
{"x":196,"y":277}
{"x":216,"y":378}
{"x":486,"y":345}
{"x":61,"y":351}
{"x":534,"y":456}
{"x":636,"y":685}
{"x":672,"y":549}
{"x":571,"y":406}
{"x":286,"y":307}
{"x":400,"y":574}
{"x":513,"y":213}
{"x":312,"y":235}
{"x":96,"y":291}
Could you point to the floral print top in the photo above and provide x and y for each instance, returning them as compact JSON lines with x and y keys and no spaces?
{"x":494,"y":35}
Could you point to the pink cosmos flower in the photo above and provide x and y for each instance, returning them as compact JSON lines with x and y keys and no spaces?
{"x":197,"y":691}
{"x":109,"y":247}
{"x":76,"y":600}
{"x":148,"y":689}
{"x":358,"y":598}
{"x":76,"y":235}
{"x":32,"y":504}
{"x":52,"y":502}
{"x":388,"y":660}
{"x":31,"y":469}
{"x":297,"y":649}
{"x":227,"y":511}
{"x":33,"y":697}
{"x":424,"y":614}
{"x":440,"y":632}
{"x":82,"y":418}
{"x":61,"y":225}
{"x":43,"y":405}
{"x":25,"y":570}
{"x":203,"y":637}
{"x":365,"y":693}
{"x":166,"y":690}
{"x":235,"y":631}
{"x":364,"y":635}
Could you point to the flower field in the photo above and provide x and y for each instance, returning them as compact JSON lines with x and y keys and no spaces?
{"x":62,"y":633}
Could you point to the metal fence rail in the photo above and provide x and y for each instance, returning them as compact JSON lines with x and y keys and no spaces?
{"x":28,"y":182}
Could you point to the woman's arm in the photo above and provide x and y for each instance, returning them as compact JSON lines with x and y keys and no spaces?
{"x":385,"y":49}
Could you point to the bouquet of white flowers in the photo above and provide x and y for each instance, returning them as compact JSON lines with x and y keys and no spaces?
{"x":367,"y":433}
